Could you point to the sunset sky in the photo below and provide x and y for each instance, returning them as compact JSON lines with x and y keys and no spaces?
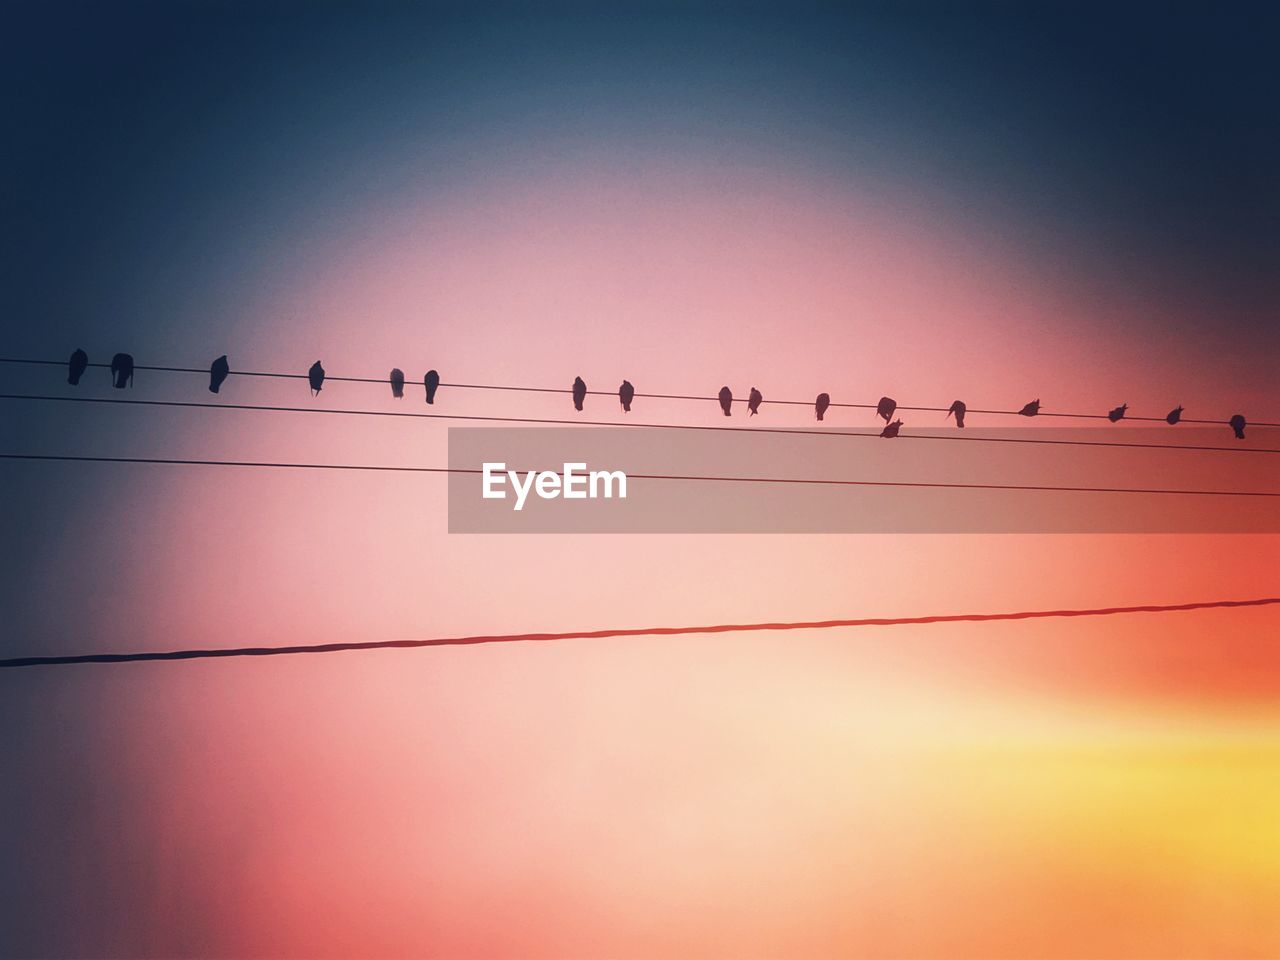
{"x":990,"y":202}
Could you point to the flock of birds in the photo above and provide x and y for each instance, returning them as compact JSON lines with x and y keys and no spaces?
{"x":220,"y":369}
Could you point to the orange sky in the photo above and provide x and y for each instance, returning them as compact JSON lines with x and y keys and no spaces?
{"x":1066,"y":789}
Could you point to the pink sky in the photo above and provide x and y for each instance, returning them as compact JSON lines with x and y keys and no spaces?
{"x":1062,"y":789}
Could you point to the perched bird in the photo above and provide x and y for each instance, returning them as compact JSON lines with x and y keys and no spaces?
{"x":218,"y":371}
{"x":958,"y":408}
{"x":754,"y":399}
{"x":1174,"y":415}
{"x":315,"y":376}
{"x":397,"y":383}
{"x":820,"y":405}
{"x":1031,"y":409}
{"x":891,"y":430}
{"x":726,"y":400}
{"x":1117,"y":414}
{"x":885,"y":408}
{"x":76,"y":367}
{"x":579,"y":392}
{"x":122,"y":370}
{"x":1237,"y":424}
{"x":626,"y":393}
{"x":432,"y":382}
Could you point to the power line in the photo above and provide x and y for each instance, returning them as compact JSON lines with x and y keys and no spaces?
{"x":393,"y":468}
{"x":626,"y":423}
{"x":607,"y":393}
{"x":622,"y":632}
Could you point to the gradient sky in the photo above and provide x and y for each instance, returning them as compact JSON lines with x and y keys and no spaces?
{"x":999,"y":203}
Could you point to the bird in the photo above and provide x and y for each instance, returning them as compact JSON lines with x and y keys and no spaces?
{"x":820,"y":405}
{"x":579,"y":392}
{"x":1237,"y":423}
{"x":891,"y":429}
{"x":315,"y":376}
{"x":1031,"y":409}
{"x":122,"y":370}
{"x":397,"y":383}
{"x":626,"y":393}
{"x":885,"y":408}
{"x":958,"y":408}
{"x":754,"y":399}
{"x":1117,"y":414}
{"x":432,"y":382}
{"x":726,"y":400}
{"x":218,"y":371}
{"x":76,"y":367}
{"x":1174,"y":415}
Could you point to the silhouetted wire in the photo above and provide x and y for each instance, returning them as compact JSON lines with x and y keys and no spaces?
{"x":801,"y":431}
{"x":204,"y":371}
{"x":623,"y":632}
{"x":395,"y":468}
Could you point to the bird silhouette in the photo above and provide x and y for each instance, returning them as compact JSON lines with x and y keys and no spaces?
{"x":76,"y":367}
{"x":218,"y":371}
{"x":820,"y":405}
{"x":432,"y":382}
{"x":891,"y":429}
{"x":726,"y":400}
{"x":626,"y":393}
{"x":1117,"y":414}
{"x":579,"y":392}
{"x":1174,"y":415}
{"x":1031,"y":409}
{"x":315,"y":377}
{"x":397,"y":383}
{"x":885,"y":408}
{"x":754,"y":399}
{"x":122,"y":370}
{"x":958,"y":408}
{"x":1237,"y":423}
